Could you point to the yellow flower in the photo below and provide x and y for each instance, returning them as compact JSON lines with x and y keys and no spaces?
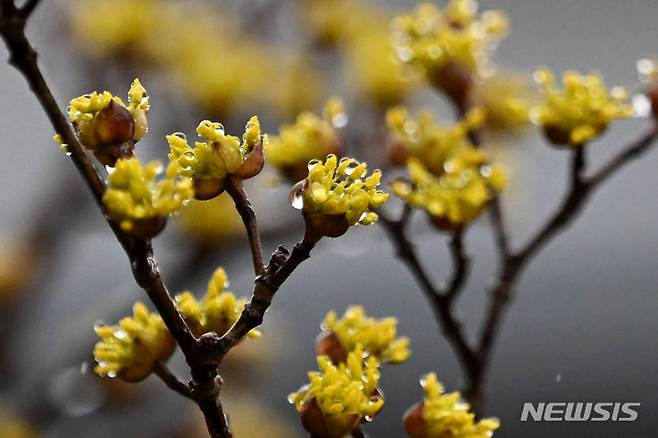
{"x":140,"y":204}
{"x":337,"y":195}
{"x":581,"y":110}
{"x":445,"y":415}
{"x":378,"y":337}
{"x":218,"y":309}
{"x":131,"y":349}
{"x":339,"y":396}
{"x":107,"y":126}
{"x":309,"y":138}
{"x":431,"y":38}
{"x":506,"y":99}
{"x":13,"y":426}
{"x":426,"y":140}
{"x":209,"y":162}
{"x":459,"y":195}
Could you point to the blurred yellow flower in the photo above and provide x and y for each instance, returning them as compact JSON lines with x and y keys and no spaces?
{"x":337,"y":195}
{"x":456,"y":197}
{"x":310,"y":138}
{"x":202,"y":49}
{"x":217,"y":310}
{"x":140,"y":204}
{"x":132,"y":349}
{"x":210,"y":222}
{"x":343,"y":394}
{"x":15,"y":427}
{"x":426,"y":140}
{"x":377,"y":336}
{"x":506,"y":99}
{"x":220,"y":155}
{"x":431,"y":38}
{"x":581,"y":110}
{"x":445,"y":415}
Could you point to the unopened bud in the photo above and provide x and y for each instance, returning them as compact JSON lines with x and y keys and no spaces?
{"x":114,"y":124}
{"x":413,"y":421}
{"x":455,"y":80}
{"x":328,"y":344}
{"x":315,"y":422}
{"x":207,"y":188}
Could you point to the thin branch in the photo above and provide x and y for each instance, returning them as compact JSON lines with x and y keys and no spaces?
{"x":460,"y":262}
{"x":440,"y":302}
{"x":396,"y":229}
{"x":498,"y":227}
{"x":358,"y":433}
{"x":279,"y":268}
{"x":243,"y":205}
{"x":164,"y":373}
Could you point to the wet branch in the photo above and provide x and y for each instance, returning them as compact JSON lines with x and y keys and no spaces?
{"x":243,"y":205}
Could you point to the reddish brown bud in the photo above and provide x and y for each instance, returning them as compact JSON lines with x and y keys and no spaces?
{"x":443,"y":224}
{"x":413,"y":421}
{"x":148,"y":228}
{"x":328,"y":344}
{"x":397,"y":153}
{"x":207,"y":188}
{"x":114,"y":124}
{"x":455,"y":80}
{"x":317,"y":425}
{"x":254,"y":162}
{"x":109,"y":154}
{"x":328,"y":225}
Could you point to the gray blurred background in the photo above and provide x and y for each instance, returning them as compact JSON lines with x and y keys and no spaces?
{"x":582,"y":328}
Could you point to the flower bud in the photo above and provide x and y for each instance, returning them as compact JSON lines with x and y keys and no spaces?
{"x":413,"y":421}
{"x":455,"y":80}
{"x":148,"y":228}
{"x":253,"y":162}
{"x":114,"y":124}
{"x":652,"y":94}
{"x":318,"y":425}
{"x":207,"y":188}
{"x":328,"y":344}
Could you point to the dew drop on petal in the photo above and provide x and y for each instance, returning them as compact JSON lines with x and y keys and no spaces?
{"x":641,"y":105}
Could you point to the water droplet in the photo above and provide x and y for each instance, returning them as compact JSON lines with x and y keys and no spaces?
{"x":350,"y":168}
{"x":110,"y":170}
{"x":641,"y":105}
{"x":296,"y":196}
{"x":121,"y":335}
{"x":558,"y":378}
{"x":180,"y":135}
{"x":313,"y":163}
{"x":339,"y":120}
{"x":485,"y":171}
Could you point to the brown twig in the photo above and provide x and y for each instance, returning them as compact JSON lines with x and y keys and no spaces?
{"x":358,"y":433}
{"x":460,"y":264}
{"x":164,"y":373}
{"x":279,"y":268}
{"x":235,"y":189}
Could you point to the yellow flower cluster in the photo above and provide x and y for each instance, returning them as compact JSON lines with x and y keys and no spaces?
{"x":506,"y":98}
{"x":457,"y":196}
{"x":210,"y":161}
{"x":343,"y":394}
{"x":446,"y":415}
{"x":131,"y":349}
{"x":203,"y":51}
{"x":218,"y":309}
{"x":424,"y":139}
{"x":581,"y":110}
{"x":309,"y":138}
{"x":432,"y":38}
{"x":337,"y":195}
{"x":103,"y":121}
{"x":140,"y":204}
{"x":13,"y":426}
{"x":378,"y":337}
